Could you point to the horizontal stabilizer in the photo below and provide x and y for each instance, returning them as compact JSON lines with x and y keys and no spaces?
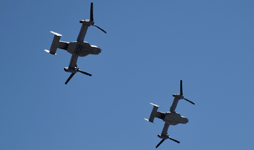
{"x":55,"y":43}
{"x":154,"y":112}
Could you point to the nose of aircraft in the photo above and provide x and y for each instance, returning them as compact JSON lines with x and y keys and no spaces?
{"x":185,"y":120}
{"x":95,"y":49}
{"x":99,"y":51}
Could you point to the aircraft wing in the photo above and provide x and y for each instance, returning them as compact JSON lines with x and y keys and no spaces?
{"x":73,"y":62}
{"x":165,"y":129}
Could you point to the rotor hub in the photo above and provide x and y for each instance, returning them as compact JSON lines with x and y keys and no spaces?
{"x":72,"y":70}
{"x":88,"y":22}
{"x":178,"y":96}
{"x":164,"y":136}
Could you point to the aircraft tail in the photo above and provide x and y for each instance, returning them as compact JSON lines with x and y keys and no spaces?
{"x":154,"y":112}
{"x":54,"y":44}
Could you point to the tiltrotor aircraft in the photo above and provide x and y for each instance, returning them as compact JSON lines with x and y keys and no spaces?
{"x":77,"y":48}
{"x":170,"y":118}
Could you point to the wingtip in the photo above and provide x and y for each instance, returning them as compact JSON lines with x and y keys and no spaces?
{"x":57,"y":34}
{"x":147,"y":120}
{"x":48,"y":51}
{"x":154,"y":105}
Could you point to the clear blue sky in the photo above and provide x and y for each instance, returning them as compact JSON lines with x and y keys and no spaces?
{"x":149,"y":48}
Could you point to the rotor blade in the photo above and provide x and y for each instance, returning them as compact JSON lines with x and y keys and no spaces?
{"x":100,"y":28}
{"x":160,"y":143}
{"x":69,"y":78}
{"x":85,"y":73}
{"x":173,"y":140}
{"x":181,"y":87}
{"x":189,"y":101}
{"x":91,"y":12}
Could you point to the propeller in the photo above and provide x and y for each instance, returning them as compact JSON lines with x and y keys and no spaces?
{"x":84,"y":72}
{"x":69,"y":78}
{"x":173,"y":140}
{"x":181,"y":92}
{"x":189,"y":101}
{"x":165,"y":139}
{"x":75,"y":73}
{"x":160,"y":143}
{"x":92,"y":20}
{"x":100,"y":28}
{"x":91,"y":12}
{"x":181,"y":87}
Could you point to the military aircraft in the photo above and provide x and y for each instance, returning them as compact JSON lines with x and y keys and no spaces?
{"x":170,"y":118}
{"x":78,"y":48}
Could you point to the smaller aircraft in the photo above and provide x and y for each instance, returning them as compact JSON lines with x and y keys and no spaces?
{"x":78,"y":48}
{"x":170,"y":118}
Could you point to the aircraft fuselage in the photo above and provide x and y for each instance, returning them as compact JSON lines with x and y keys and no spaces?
{"x":174,"y":118}
{"x":82,"y":49}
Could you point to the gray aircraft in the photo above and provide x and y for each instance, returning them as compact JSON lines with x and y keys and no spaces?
{"x":170,"y":118}
{"x":78,"y":48}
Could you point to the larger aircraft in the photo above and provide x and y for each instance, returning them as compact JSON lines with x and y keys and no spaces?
{"x":78,"y":48}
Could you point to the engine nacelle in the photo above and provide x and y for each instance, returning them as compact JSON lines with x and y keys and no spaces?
{"x":164,"y":136}
{"x":72,"y":70}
